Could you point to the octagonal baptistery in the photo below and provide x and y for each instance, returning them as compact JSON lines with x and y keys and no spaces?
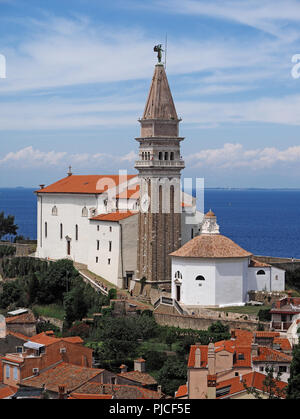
{"x":210,"y":270}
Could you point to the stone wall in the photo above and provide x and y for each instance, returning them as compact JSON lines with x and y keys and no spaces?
{"x":202,"y":322}
{"x":265,"y":297}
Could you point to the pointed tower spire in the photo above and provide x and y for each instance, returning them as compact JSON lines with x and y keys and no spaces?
{"x":160,"y":104}
{"x":160,"y":117}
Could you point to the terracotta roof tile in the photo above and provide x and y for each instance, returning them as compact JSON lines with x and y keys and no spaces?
{"x":77,"y":396}
{"x":204,"y":353}
{"x":22,"y":318}
{"x":114,"y":216}
{"x":7,"y":391}
{"x":139,"y":377}
{"x":262,"y":334}
{"x":181,"y":392}
{"x":266,"y":354}
{"x":119,"y":391}
{"x":253,"y":379}
{"x":65,"y":375}
{"x":257,"y":264}
{"x":90,"y":184}
{"x":211,"y":246}
{"x":284,"y":344}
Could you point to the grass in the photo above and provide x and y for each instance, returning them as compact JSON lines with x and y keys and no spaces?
{"x":251,"y":310}
{"x":55,"y":311}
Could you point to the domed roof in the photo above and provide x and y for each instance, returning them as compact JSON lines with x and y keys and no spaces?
{"x":210,"y":214}
{"x":211,"y":246}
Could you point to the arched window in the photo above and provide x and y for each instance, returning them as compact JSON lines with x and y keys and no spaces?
{"x":85,"y":212}
{"x":54,"y":211}
{"x":166,"y":155}
{"x":172,"y":155}
{"x":261,"y":272}
{"x":143,"y":156}
{"x":200,"y":278}
{"x":178,"y":275}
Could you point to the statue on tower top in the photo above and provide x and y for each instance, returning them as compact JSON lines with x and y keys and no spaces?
{"x":159,"y":50}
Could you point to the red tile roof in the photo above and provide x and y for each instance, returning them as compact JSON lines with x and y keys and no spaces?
{"x":44,"y":339}
{"x":254,"y":263}
{"x":138,"y":377}
{"x":7,"y":391}
{"x":18,"y":335}
{"x":283,"y":343}
{"x":114,"y":216}
{"x":21,"y":319}
{"x":251,"y":380}
{"x":119,"y":391}
{"x":90,"y":184}
{"x":211,"y":246}
{"x":181,"y":392}
{"x":77,"y":396}
{"x":271,"y":355}
{"x":62,"y":375}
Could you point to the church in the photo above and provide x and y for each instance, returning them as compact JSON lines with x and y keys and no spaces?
{"x":141,"y":231}
{"x":123,"y":227}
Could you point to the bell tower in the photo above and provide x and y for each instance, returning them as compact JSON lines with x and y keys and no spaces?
{"x":159,"y":166}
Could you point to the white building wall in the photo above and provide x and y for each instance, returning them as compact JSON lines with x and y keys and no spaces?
{"x":230,"y":275}
{"x":277,"y":279}
{"x":259,"y":282}
{"x":105,"y":261}
{"x":69,"y":214}
{"x":195,"y":292}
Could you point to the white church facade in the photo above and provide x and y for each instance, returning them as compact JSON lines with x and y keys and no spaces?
{"x":93,"y":220}
{"x":213,"y":271}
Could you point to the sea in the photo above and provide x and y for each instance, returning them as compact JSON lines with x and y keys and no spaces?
{"x":262,"y":221}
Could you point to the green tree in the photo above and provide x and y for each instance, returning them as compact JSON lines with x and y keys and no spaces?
{"x":172,"y":375}
{"x":7,"y":225}
{"x":293,"y":389}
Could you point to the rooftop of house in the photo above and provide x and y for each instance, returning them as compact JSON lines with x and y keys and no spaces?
{"x":85,"y":184}
{"x":7,"y":391}
{"x":228,"y":388}
{"x":181,"y":392}
{"x":118,"y":391}
{"x":21,"y":319}
{"x":64,"y":375}
{"x":142,"y":378}
{"x":271,"y":355}
{"x":240,"y":346}
{"x":114,"y":216}
{"x":211,"y":246}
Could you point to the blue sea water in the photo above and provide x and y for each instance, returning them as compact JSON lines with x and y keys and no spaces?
{"x":264,"y":222}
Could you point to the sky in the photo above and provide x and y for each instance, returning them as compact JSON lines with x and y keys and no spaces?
{"x":78,"y":74}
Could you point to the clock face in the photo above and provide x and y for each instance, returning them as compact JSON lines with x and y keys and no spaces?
{"x":145,"y":202}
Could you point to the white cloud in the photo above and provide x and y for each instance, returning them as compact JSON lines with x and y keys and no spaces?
{"x":31,"y":158}
{"x":235,"y":156}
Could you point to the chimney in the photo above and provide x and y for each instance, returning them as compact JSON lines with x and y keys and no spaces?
{"x":140,"y":365}
{"x":232,"y":335}
{"x":123,"y":368}
{"x":70,"y":171}
{"x":49,"y":333}
{"x":211,"y":359}
{"x":198,"y":358}
{"x":42,"y":186}
{"x":254,"y":350}
{"x":211,"y":386}
{"x":61,"y":392}
{"x":159,"y":390}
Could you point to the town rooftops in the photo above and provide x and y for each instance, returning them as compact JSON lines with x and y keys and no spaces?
{"x":86,"y":184}
{"x":119,"y":391}
{"x":181,"y":392}
{"x":211,"y":246}
{"x":233,"y":386}
{"x":139,"y":377}
{"x":270,"y":355}
{"x":62,"y":375}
